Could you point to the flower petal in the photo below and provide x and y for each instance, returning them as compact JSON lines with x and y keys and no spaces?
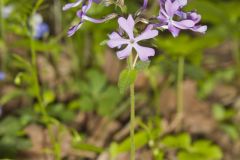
{"x":116,"y":40}
{"x":71,"y":5}
{"x":104,"y":19}
{"x":147,"y":34}
{"x":125,"y":52}
{"x":127,"y":25}
{"x":184,"y":24}
{"x":175,"y":31}
{"x":171,"y":8}
{"x":73,"y":29}
{"x":145,"y":2}
{"x":200,"y":29}
{"x":182,"y":2}
{"x":144,"y":52}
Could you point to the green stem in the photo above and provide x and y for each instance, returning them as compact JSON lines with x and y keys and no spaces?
{"x":180,"y":76}
{"x":132,"y":114}
{"x":237,"y":55}
{"x":38,"y":92}
{"x":2,"y":20}
{"x":2,"y":33}
{"x":132,"y":129}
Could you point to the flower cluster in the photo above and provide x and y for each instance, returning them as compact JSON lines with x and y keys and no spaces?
{"x":171,"y":10}
{"x":171,"y":17}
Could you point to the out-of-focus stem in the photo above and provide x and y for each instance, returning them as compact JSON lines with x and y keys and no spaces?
{"x":180,"y":76}
{"x":2,"y":32}
{"x":237,"y":55}
{"x":2,"y":20}
{"x":58,"y":16}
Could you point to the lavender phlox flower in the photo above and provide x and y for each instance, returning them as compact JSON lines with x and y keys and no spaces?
{"x":181,"y":3}
{"x":77,"y":3}
{"x":82,"y":15}
{"x":132,"y":42}
{"x":172,"y":18}
{"x":145,"y":3}
{"x":2,"y":76}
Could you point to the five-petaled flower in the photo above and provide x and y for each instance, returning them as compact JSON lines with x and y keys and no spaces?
{"x":172,"y":18}
{"x":132,"y":42}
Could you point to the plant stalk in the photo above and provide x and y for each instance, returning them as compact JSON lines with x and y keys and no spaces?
{"x":180,"y":76}
{"x":132,"y":111}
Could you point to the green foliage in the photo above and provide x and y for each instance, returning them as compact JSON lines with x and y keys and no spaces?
{"x":225,"y":118}
{"x":12,"y":137}
{"x":200,"y":149}
{"x":126,"y":78}
{"x":96,"y":95}
{"x":181,"y":141}
{"x":86,"y":89}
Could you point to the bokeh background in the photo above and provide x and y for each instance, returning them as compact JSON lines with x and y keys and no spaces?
{"x":59,"y":97}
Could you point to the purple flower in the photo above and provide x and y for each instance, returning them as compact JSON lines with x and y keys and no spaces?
{"x":41,"y":30}
{"x":77,"y":3}
{"x":82,"y":14}
{"x":2,"y":76}
{"x":172,"y":18}
{"x":39,"y":27}
{"x":132,"y":42}
{"x":145,"y":2}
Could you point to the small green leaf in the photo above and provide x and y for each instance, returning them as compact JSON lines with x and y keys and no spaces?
{"x":142,"y":65}
{"x":48,"y":97}
{"x":126,"y":78}
{"x":207,"y":150}
{"x":179,"y":141}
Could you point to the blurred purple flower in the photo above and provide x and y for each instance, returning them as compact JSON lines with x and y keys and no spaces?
{"x":172,"y":18}
{"x":41,"y":30}
{"x":82,"y":14}
{"x":7,"y":10}
{"x":77,"y":3}
{"x":2,"y":76}
{"x":132,"y":42}
{"x":145,"y":2}
{"x":39,"y":27}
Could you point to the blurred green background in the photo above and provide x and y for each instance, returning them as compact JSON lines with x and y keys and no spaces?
{"x":59,"y":97}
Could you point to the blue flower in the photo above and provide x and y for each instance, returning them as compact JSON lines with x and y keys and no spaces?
{"x":41,"y":30}
{"x":2,"y":76}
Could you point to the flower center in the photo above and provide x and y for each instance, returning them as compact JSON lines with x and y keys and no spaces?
{"x":132,"y":41}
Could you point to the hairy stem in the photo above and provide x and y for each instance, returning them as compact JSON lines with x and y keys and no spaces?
{"x":132,"y":112}
{"x":180,"y":76}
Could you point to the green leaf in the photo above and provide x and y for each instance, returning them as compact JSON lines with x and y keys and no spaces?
{"x":48,"y":97}
{"x":97,"y":81}
{"x":88,"y":147}
{"x":207,"y":150}
{"x":178,"y":141}
{"x":108,"y":101}
{"x":142,"y":65}
{"x":126,"y":78}
{"x":231,"y":130}
{"x":86,"y":103}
